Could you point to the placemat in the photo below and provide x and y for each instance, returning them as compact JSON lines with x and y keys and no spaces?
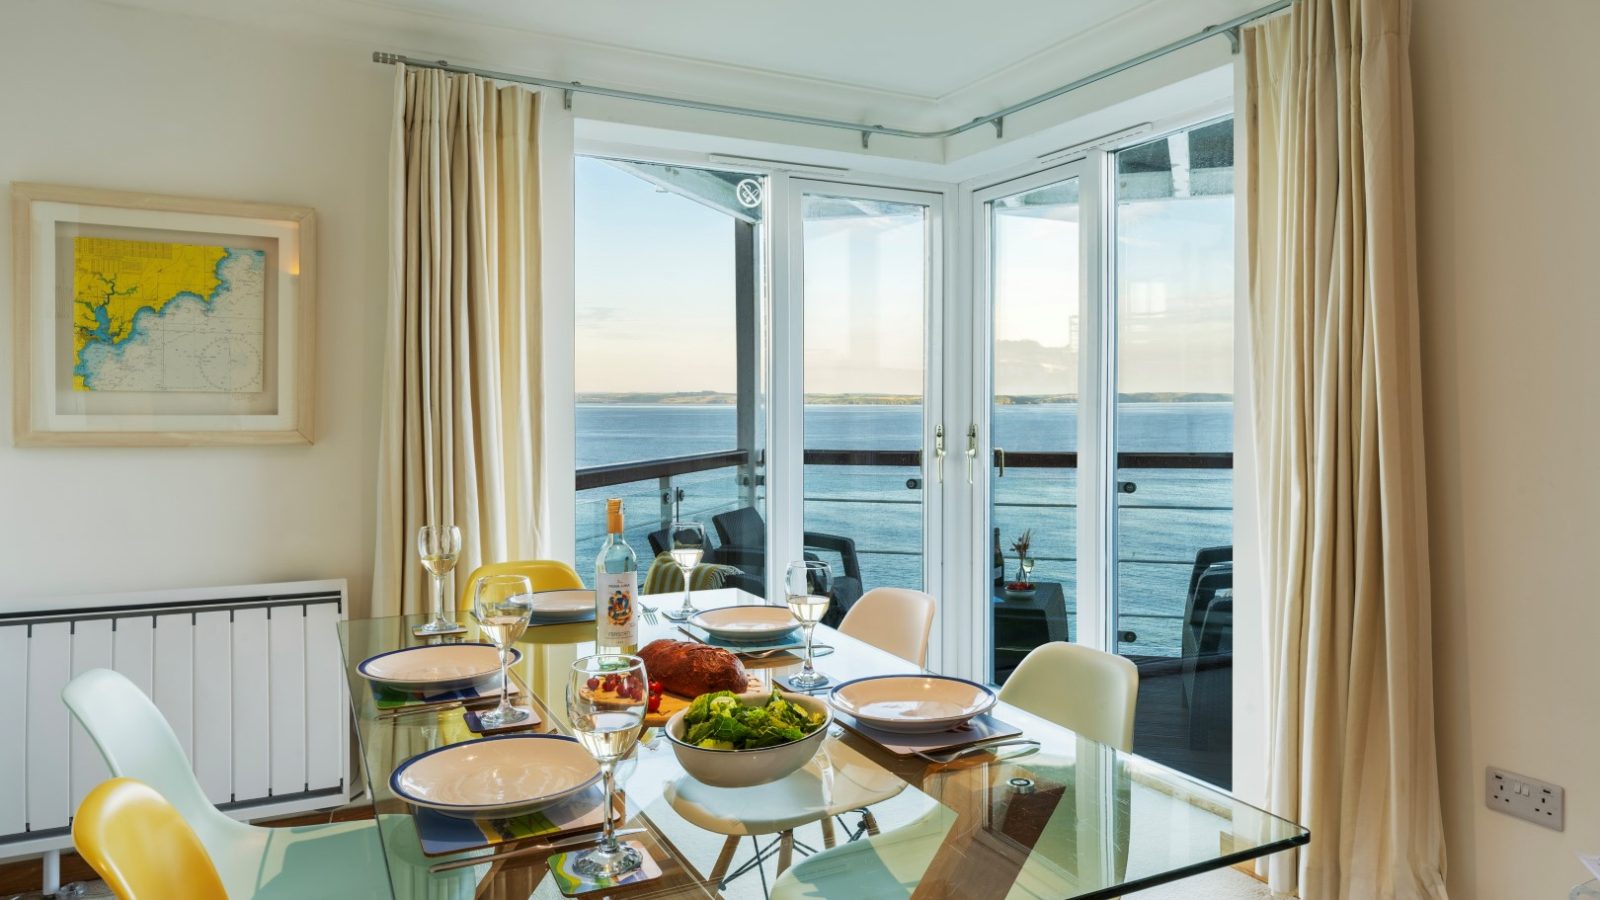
{"x":389,"y":700}
{"x":977,"y":730}
{"x":442,"y":835}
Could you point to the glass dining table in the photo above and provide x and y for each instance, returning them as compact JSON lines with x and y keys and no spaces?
{"x":1066,"y":818}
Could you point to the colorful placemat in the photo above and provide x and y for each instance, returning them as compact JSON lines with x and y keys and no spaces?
{"x":388,"y":699}
{"x":572,"y":884}
{"x":442,"y":835}
{"x":977,"y":730}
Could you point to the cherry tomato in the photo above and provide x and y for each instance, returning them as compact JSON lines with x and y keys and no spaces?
{"x":592,"y":684}
{"x":655,"y":687}
{"x":654,"y":703}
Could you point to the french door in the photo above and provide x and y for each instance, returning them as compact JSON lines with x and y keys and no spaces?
{"x":856,"y":381}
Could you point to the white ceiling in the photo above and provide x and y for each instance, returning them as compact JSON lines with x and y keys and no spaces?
{"x":923,"y":48}
{"x":923,"y":64}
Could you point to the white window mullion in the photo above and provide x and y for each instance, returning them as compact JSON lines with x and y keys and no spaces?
{"x":786,"y":419}
{"x":1096,"y":415}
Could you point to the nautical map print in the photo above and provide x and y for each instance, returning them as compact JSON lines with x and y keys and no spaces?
{"x":158,"y":316}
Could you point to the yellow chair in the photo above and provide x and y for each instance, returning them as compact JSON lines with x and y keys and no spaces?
{"x":543,"y":574}
{"x":141,"y":846}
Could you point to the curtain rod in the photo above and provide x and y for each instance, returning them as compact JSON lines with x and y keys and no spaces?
{"x":996,"y":118}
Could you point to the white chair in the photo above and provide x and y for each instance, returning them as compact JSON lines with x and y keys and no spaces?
{"x":895,"y":620}
{"x":342,"y":859}
{"x":1089,"y":691}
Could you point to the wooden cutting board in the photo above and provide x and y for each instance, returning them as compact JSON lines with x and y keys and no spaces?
{"x":671,"y":704}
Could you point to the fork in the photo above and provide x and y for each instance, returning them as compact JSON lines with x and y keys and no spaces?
{"x":953,"y":755}
{"x":649,"y":614}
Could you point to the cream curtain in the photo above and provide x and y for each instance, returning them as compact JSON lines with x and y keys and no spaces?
{"x":461,"y":434}
{"x":1333,"y":301}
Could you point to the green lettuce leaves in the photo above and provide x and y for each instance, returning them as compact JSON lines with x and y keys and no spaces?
{"x":720,"y":722}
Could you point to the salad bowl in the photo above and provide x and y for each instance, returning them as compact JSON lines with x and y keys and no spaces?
{"x":721,"y":764}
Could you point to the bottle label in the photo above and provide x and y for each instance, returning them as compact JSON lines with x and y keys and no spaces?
{"x":614,"y":615}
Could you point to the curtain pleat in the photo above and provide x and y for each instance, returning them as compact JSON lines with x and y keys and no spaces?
{"x":1333,"y":304}
{"x":461,"y":403}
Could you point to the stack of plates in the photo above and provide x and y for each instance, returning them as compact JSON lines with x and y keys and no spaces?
{"x":435,"y":667}
{"x":912,"y":704}
{"x":746,"y":624}
{"x":496,"y":777}
{"x":554,"y":607}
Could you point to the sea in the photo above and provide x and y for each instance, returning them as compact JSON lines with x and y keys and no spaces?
{"x":1164,"y":517}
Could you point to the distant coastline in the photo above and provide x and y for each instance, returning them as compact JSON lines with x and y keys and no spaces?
{"x":720,"y":398}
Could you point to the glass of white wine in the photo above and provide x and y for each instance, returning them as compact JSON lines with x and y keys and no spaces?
{"x":688,"y":549}
{"x":439,"y":546}
{"x":809,"y":587}
{"x":501,"y":605}
{"x":606,"y":699}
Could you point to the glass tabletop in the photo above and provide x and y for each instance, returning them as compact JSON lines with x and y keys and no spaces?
{"x":1071,"y":819}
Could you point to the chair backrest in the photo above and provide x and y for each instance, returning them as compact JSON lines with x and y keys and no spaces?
{"x":1089,"y":691}
{"x":136,"y":742}
{"x":660,"y":541}
{"x":141,"y":846}
{"x":742,"y":527}
{"x":895,"y":620}
{"x":543,"y":574}
{"x":666,"y":577}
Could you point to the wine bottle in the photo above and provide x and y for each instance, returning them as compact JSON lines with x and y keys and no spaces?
{"x":616,"y":589}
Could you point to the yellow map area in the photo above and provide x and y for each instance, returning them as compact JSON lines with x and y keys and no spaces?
{"x":113,"y":279}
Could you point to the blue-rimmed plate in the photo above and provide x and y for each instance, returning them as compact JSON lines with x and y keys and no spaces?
{"x":912,"y":704}
{"x":496,"y":777}
{"x":435,"y":667}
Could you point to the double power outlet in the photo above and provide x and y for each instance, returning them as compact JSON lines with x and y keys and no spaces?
{"x":1537,"y":801}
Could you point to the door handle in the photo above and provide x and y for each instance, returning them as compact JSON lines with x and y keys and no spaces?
{"x":938,"y":452}
{"x":1000,"y":458}
{"x":972,"y":450}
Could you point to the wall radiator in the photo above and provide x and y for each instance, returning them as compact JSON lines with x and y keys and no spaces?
{"x":249,"y":677}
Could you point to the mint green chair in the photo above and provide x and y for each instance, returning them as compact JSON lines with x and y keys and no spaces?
{"x":304,"y":862}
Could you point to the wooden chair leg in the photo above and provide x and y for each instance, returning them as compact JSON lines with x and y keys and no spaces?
{"x":719,"y":871}
{"x":785,"y":850}
{"x":827,"y":832}
{"x":869,"y":820}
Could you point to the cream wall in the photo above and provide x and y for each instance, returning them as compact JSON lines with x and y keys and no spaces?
{"x":1507,"y":132}
{"x":110,"y":97}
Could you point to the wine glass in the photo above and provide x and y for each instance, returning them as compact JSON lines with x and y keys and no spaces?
{"x":606,"y":698}
{"x":688,"y":548}
{"x":809,"y":586}
{"x":1027,"y":570}
{"x":501,"y":605}
{"x":439,"y":546}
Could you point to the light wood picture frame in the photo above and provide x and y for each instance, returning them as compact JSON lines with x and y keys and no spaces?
{"x":148,"y":320}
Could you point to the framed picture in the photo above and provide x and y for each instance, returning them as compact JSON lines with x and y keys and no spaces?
{"x":144,"y":320}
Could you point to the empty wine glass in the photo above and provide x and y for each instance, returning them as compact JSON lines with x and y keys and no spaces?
{"x":501,"y":605}
{"x":439,"y":546}
{"x":606,"y":699}
{"x":809,"y":587}
{"x":688,"y":548}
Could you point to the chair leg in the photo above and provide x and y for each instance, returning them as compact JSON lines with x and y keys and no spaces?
{"x":724,"y":860}
{"x":785,"y":850}
{"x":870,"y":821}
{"x":827,"y":832}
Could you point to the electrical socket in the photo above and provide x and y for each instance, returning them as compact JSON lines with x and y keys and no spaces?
{"x":1537,"y":801}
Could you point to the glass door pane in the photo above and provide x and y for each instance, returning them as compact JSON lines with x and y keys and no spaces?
{"x":669,"y":353}
{"x":1035,"y":284}
{"x":1173,"y":600}
{"x":866,"y":290}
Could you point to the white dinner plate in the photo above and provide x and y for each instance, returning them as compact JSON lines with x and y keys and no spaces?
{"x":746,"y":624}
{"x":561,"y":606}
{"x":496,"y":777}
{"x":911,"y":704}
{"x":435,"y":667}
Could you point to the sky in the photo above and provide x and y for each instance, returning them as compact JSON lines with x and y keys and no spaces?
{"x":655,"y":293}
